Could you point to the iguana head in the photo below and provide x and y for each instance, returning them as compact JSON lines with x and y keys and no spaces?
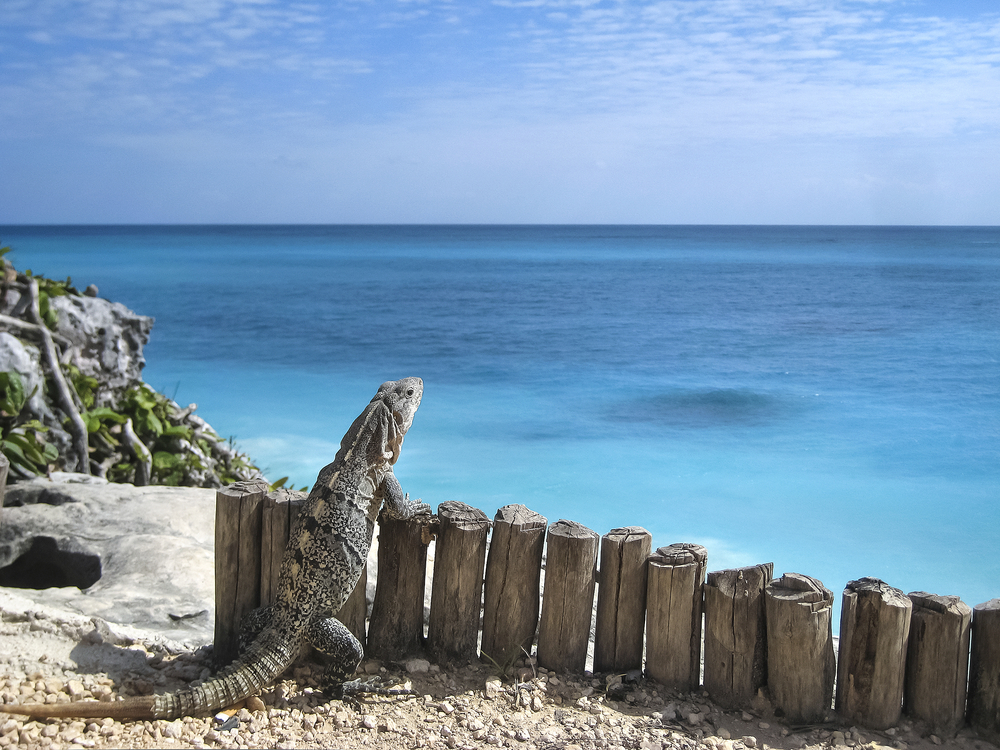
{"x":402,"y":397}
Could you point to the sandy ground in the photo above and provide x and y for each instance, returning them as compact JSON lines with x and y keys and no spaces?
{"x":52,"y":657}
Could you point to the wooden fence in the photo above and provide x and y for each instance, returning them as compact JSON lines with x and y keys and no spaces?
{"x":733,"y":631}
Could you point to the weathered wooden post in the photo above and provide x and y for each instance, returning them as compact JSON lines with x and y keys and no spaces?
{"x":511,"y":589}
{"x":355,"y":609}
{"x":984,"y":672}
{"x":621,"y":600}
{"x":800,"y":661}
{"x":937,"y":662}
{"x":278,"y":513}
{"x":736,"y":634}
{"x":673,"y":615}
{"x":457,"y":589}
{"x":874,"y":627}
{"x":568,"y":601}
{"x":238,"y":511}
{"x":396,"y":627}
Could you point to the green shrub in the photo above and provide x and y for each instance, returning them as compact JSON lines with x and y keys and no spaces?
{"x":21,"y":439}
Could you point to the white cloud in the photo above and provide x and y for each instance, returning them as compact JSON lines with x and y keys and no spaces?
{"x":767,"y":69}
{"x":386,"y":109}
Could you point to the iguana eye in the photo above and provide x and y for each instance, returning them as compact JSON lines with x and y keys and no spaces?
{"x":409,"y":391}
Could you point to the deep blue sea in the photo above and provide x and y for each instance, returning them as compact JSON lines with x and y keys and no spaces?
{"x":826,"y":398}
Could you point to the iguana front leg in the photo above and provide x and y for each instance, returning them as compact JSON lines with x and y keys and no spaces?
{"x":331,"y":637}
{"x":397,"y":505}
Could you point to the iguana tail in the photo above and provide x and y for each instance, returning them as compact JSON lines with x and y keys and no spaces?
{"x":258,"y":667}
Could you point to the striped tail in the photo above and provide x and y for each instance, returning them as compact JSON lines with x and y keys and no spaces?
{"x":266,"y":658}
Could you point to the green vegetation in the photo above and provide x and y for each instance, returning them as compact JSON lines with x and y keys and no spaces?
{"x":21,"y":438}
{"x":182,"y":454}
{"x":138,"y":435}
{"x":281,"y":483}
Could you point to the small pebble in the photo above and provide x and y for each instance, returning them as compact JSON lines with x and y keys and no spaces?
{"x":493,"y":688}
{"x":417,"y":666}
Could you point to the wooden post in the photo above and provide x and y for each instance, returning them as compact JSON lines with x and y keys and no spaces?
{"x":736,"y":634}
{"x":937,"y":662}
{"x":874,"y":627}
{"x":355,"y":609}
{"x":800,"y":662}
{"x":511,"y":589}
{"x":984,"y":673}
{"x":237,"y":561}
{"x":396,"y":628}
{"x":568,"y":601}
{"x":279,"y":511}
{"x":457,"y":590}
{"x":621,"y":600}
{"x":673,"y":615}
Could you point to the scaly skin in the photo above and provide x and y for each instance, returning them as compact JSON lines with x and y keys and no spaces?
{"x":327,"y":548}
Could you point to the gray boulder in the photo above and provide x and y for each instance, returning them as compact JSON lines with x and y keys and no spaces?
{"x":140,"y":556}
{"x":103,"y":339}
{"x":105,"y":342}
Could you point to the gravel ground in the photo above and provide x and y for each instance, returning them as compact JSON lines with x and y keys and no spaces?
{"x":51,"y":659}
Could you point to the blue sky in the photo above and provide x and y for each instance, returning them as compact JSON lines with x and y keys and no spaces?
{"x":663,"y":111}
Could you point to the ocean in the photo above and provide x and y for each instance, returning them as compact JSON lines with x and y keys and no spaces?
{"x":823,"y":398}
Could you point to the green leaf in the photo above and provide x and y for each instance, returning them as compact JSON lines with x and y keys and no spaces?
{"x":163,"y":460}
{"x":50,"y":453}
{"x":278,"y":485}
{"x":177,"y":430}
{"x":13,"y":393}
{"x":84,"y":385}
{"x":28,"y":447}
{"x":104,"y":433}
{"x":104,"y":413}
{"x":12,"y":450}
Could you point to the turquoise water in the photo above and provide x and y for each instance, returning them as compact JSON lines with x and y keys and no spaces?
{"x":826,"y":398}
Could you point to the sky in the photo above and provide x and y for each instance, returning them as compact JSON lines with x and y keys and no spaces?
{"x":510,"y":111}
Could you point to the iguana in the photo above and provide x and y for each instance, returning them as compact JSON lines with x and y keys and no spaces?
{"x":328,"y":544}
